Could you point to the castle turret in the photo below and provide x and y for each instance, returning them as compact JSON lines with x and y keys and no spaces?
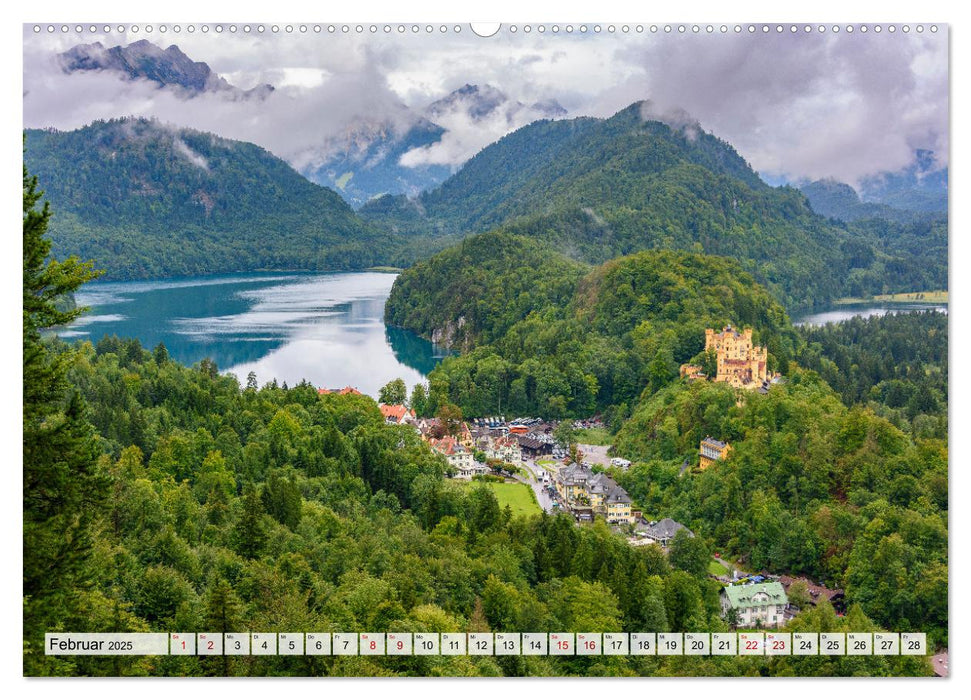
{"x":740,"y":363}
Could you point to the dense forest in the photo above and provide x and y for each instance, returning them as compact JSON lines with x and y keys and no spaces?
{"x":552,"y":338}
{"x":226,"y":508}
{"x":473,"y":292}
{"x":143,"y":199}
{"x":598,"y":189}
{"x":810,"y":487}
{"x":896,"y":364}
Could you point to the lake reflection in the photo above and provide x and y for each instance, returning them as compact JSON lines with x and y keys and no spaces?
{"x":847,"y":311}
{"x":326,"y":328}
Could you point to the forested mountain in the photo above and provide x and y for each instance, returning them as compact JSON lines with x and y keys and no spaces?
{"x":922,"y":186}
{"x":838,"y":200}
{"x":548,"y":336}
{"x":810,"y":487}
{"x":473,"y":292}
{"x":597,"y":189}
{"x":146,"y":200}
{"x":365,"y":161}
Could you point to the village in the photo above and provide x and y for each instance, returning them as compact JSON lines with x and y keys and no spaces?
{"x":575,"y":478}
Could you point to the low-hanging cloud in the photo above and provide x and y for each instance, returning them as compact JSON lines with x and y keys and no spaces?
{"x":299,"y":124}
{"x":196,"y":159}
{"x":806,"y":106}
{"x":794,"y":105}
{"x":466,"y":135}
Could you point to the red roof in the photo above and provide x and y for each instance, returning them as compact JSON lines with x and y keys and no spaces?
{"x":446,"y":446}
{"x":394,"y":411}
{"x":342,"y":392}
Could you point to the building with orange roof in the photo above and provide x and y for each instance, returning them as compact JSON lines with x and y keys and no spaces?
{"x":396,"y":414}
{"x":456,"y":455}
{"x":342,"y":392}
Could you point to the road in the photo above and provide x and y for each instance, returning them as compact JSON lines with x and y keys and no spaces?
{"x":728,"y":565}
{"x":536,"y":483}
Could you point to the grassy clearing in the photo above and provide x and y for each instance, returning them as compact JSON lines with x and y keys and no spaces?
{"x":594,"y":436}
{"x":519,"y":497}
{"x":931,"y":297}
{"x":717,"y":569}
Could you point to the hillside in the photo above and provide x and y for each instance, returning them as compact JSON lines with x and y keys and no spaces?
{"x":145,"y":200}
{"x":473,"y":292}
{"x":838,"y":200}
{"x":541,"y":336}
{"x":810,"y":487}
{"x":600,"y":188}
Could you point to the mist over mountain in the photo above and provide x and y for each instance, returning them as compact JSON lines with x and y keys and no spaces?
{"x":169,"y":68}
{"x":922,"y":186}
{"x":145,"y":199}
{"x":839,"y":200}
{"x":481,"y":102}
{"x":365,"y":161}
{"x":600,"y":188}
{"x":372,"y":158}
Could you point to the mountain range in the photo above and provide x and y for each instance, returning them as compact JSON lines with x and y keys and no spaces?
{"x":921,"y":186}
{"x":366,"y":161}
{"x":839,"y":200}
{"x":168,"y":68}
{"x":914,"y":193}
{"x":600,"y":188}
{"x":145,"y":199}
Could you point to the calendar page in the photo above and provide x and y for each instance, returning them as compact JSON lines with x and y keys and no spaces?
{"x":560,"y":349}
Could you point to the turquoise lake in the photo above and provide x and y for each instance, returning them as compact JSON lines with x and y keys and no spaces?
{"x":325,"y":328}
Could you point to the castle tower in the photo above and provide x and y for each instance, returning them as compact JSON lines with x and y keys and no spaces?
{"x":740,"y":363}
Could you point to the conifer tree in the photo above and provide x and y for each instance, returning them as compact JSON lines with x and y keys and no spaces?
{"x":223,"y":614}
{"x":250,"y":534}
{"x":419,"y":400}
{"x":63,"y":491}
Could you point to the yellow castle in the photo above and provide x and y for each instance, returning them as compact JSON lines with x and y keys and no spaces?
{"x":740,"y":363}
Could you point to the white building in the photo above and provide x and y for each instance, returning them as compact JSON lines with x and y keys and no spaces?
{"x":457,"y":456}
{"x":756,"y":603}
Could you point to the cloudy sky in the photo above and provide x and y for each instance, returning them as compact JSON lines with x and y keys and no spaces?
{"x":795,"y":105}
